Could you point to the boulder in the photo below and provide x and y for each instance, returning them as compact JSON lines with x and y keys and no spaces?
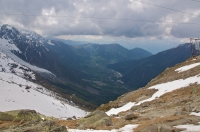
{"x":6,"y":117}
{"x":165,"y":128}
{"x":145,"y":104}
{"x":95,"y":119}
{"x":196,"y":108}
{"x":136,"y":107}
{"x":142,"y":98}
{"x":177,"y":113}
{"x":131,"y":116}
{"x":38,"y":126}
{"x":187,"y":108}
{"x":27,"y":115}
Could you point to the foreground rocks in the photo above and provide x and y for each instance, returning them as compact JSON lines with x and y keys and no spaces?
{"x":27,"y":121}
{"x":95,"y":119}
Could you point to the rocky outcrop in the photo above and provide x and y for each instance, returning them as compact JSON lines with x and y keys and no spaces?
{"x":95,"y":119}
{"x":37,"y":126}
{"x":28,"y":121}
{"x":131,"y":116}
{"x":27,"y":115}
{"x":6,"y":117}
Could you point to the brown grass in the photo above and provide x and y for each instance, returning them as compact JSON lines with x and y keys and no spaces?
{"x":147,"y":123}
{"x":7,"y":124}
{"x":72,"y":124}
{"x":170,"y":74}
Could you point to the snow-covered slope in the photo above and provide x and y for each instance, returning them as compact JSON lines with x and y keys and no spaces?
{"x":8,"y":47}
{"x":9,"y":66}
{"x":18,"y":93}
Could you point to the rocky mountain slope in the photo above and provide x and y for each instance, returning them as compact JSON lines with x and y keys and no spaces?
{"x":169,"y":102}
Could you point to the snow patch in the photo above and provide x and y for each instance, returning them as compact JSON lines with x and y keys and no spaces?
{"x":49,"y":42}
{"x":189,"y":127}
{"x":188,"y":67}
{"x":127,"y":128}
{"x":162,"y":89}
{"x":195,"y":114}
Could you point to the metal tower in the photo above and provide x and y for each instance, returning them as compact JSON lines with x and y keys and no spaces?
{"x":195,"y":46}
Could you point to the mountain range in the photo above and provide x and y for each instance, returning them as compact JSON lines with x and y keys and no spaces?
{"x":137,"y":73}
{"x":93,"y":73}
{"x":168,"y":103}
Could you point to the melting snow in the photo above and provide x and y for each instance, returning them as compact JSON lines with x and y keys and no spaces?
{"x":162,"y":89}
{"x":185,"y":68}
{"x":127,"y":128}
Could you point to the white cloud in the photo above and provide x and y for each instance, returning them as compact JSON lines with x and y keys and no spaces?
{"x":105,"y":18}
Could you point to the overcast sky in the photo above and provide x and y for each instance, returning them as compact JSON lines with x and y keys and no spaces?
{"x":154,"y":25}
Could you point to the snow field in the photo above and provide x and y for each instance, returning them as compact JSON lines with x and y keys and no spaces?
{"x":14,"y":95}
{"x":6,"y":65}
{"x":188,"y":67}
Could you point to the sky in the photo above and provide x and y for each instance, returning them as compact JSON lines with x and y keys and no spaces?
{"x":154,"y":25}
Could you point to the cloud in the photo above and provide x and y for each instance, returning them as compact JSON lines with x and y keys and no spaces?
{"x":121,"y":18}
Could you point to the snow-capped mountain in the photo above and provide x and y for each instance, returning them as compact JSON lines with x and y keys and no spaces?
{"x":18,"y":92}
{"x":34,"y":51}
{"x":11,"y":41}
{"x":75,"y":70}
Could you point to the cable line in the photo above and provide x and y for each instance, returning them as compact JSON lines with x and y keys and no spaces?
{"x":167,"y":8}
{"x":195,"y":0}
{"x":100,"y":18}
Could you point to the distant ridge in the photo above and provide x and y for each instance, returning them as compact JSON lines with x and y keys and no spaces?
{"x":137,"y":73}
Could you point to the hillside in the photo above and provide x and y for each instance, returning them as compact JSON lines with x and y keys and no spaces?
{"x":169,"y":102}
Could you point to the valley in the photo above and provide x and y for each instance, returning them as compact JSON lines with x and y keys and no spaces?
{"x":123,"y":89}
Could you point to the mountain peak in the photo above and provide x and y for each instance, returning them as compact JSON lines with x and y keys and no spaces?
{"x":15,"y":35}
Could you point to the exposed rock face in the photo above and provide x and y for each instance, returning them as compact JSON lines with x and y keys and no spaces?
{"x":95,"y":119}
